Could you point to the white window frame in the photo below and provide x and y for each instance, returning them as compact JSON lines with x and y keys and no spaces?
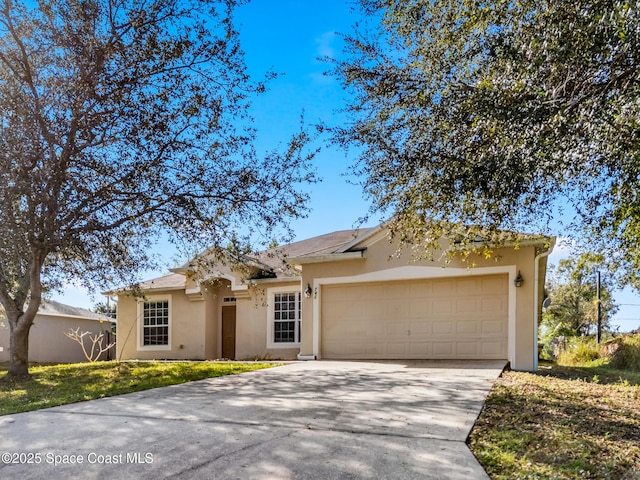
{"x":271,"y":292}
{"x":141,"y":303}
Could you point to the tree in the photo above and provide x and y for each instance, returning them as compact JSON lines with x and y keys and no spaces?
{"x":475,"y":118}
{"x":97,"y":347}
{"x":120,"y":120}
{"x":105,"y":309}
{"x":572,"y":291}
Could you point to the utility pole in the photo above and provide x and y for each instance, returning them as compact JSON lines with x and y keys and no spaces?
{"x":599,"y":305}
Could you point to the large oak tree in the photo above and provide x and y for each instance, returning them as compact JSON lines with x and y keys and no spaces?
{"x":119,"y":120}
{"x":475,"y":118}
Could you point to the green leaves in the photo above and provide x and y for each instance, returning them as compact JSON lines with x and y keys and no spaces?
{"x":496,"y":114}
{"x":572,"y":290}
{"x":120,"y":120}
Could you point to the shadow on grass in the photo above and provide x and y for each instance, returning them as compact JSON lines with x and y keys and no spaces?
{"x":61,"y":384}
{"x":561,"y":422}
{"x":309,"y":421}
{"x":602,"y":374}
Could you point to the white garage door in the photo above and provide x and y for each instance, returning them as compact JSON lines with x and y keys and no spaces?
{"x":449,"y":318}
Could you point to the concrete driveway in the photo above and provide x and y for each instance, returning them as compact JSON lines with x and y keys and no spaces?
{"x":314,"y":420}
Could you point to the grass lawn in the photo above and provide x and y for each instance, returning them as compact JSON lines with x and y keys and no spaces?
{"x":561,"y":423}
{"x":52,"y":385}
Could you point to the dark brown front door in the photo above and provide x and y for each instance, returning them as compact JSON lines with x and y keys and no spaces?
{"x":229,"y":332}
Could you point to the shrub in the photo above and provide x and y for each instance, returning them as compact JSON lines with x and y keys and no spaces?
{"x":579,"y":351}
{"x":627,"y":355}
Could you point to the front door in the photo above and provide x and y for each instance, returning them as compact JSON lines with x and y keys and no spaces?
{"x":229,"y":332}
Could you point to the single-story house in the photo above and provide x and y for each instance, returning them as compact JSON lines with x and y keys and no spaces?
{"x":47,"y":339}
{"x":343,"y":295}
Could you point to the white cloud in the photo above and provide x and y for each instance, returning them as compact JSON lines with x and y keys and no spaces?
{"x":563,"y":249}
{"x":324,"y":44}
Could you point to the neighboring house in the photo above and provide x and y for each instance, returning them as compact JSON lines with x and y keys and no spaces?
{"x":47,"y":339}
{"x":344,"y":295}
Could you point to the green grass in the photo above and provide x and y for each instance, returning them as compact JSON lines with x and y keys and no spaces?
{"x":52,"y":385}
{"x":627,"y":353}
{"x":581,"y":351}
{"x":563,"y":422}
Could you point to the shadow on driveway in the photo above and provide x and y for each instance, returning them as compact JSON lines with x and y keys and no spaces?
{"x":313,"y":420}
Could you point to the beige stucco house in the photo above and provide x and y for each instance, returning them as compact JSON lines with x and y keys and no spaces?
{"x":47,"y":339}
{"x":344,"y":295}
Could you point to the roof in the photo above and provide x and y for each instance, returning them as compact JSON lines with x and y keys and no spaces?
{"x":272,"y":260}
{"x":171,"y":281}
{"x":50,"y":307}
{"x":281,"y":262}
{"x":325,"y":244}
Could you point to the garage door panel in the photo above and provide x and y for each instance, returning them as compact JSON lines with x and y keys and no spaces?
{"x":468,"y":286}
{"x":420,"y":289}
{"x":466,"y":305}
{"x":443,"y":306}
{"x":442,"y":287}
{"x":420,"y":308}
{"x":443,"y":349}
{"x":374,"y":307}
{"x":397,"y":329}
{"x":345,"y":310}
{"x":344,"y":349}
{"x":395,"y":309}
{"x":438,"y":318}
{"x":492,"y":349}
{"x":467,"y":349}
{"x":420,"y":349}
{"x":375,"y":349}
{"x":493,"y":327}
{"x":374,"y":291}
{"x":493,"y":305}
{"x":374,"y":330}
{"x":396,"y":348}
{"x":347,"y":330}
{"x":466,"y":327}
{"x":442,"y":327}
{"x":420,"y":328}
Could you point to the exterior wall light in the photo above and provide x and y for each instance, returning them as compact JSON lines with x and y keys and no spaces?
{"x":518,"y":280}
{"x":307,"y":291}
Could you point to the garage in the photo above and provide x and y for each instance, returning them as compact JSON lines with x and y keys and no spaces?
{"x":443,"y":318}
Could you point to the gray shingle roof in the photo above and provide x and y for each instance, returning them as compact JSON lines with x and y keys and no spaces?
{"x":273,"y":259}
{"x":321,"y":245}
{"x":51,"y":307}
{"x":168,"y":282}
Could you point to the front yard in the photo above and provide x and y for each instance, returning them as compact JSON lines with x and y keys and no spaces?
{"x":52,"y":385}
{"x":561,"y":423}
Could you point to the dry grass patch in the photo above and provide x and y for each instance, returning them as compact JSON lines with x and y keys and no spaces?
{"x":561,"y":423}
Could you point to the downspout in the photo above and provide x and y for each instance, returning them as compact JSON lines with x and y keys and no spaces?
{"x":306,"y":357}
{"x":536,"y":303}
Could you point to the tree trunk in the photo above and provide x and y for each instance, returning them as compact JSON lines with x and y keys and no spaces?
{"x":19,"y":349}
{"x":19,"y":319}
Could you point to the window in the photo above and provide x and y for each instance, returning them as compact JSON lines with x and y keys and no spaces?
{"x":155,"y":321}
{"x":286,"y":317}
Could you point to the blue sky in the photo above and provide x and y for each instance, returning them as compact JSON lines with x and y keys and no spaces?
{"x":289,"y":37}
